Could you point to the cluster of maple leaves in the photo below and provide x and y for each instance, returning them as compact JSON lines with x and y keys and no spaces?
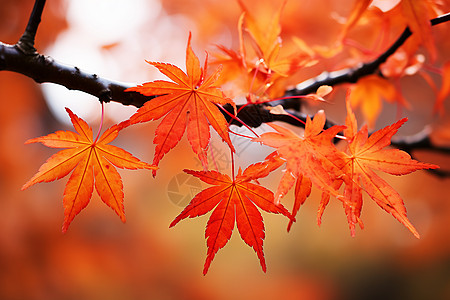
{"x":192,"y":101}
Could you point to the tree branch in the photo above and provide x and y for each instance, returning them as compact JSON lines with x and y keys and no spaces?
{"x":45,"y":69}
{"x":23,"y":58}
{"x":259,"y":114}
{"x":422,"y":141}
{"x":26,"y":41}
{"x":352,"y":75}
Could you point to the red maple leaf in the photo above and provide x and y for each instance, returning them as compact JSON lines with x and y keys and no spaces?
{"x":366,"y":154}
{"x":89,"y":159}
{"x":310,"y":159}
{"x":190,"y":100}
{"x":232,"y":201}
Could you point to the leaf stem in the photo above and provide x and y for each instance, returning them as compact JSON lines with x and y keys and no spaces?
{"x":232,"y":164}
{"x":235,"y":118}
{"x":101,"y":123}
{"x":241,"y":135}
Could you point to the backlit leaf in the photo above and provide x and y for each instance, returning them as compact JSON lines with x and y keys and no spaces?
{"x":190,"y":101}
{"x":232,"y":201}
{"x":366,"y":155}
{"x":310,"y":159}
{"x":91,"y":161}
{"x":368,"y":93}
{"x":417,"y":14}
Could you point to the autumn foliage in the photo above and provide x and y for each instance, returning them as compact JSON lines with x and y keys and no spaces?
{"x":344,"y":161}
{"x":91,"y":161}
{"x":232,"y":200}
{"x":189,"y":101}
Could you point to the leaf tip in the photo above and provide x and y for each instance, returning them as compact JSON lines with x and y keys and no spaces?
{"x":290,"y":225}
{"x":414,"y":231}
{"x":206,"y":266}
{"x":68,"y":110}
{"x":174,"y":222}
{"x":25,"y":186}
{"x":30,"y":141}
{"x":65,"y":226}
{"x":264,"y":268}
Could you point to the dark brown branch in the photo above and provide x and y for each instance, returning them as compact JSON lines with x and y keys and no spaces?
{"x":422,"y":141}
{"x":352,"y":75}
{"x":45,"y":69}
{"x":24,"y":59}
{"x":26,"y":41}
{"x":419,"y":141}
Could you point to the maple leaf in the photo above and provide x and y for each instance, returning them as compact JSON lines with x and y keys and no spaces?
{"x":359,"y":7}
{"x":234,"y":201}
{"x":311,"y":159}
{"x":417,"y":15}
{"x":190,"y":100}
{"x":365,"y":155}
{"x":368,"y":92}
{"x":263,"y":73}
{"x":91,"y":162}
{"x":266,"y":35}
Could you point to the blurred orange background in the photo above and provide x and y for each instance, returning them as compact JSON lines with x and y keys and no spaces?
{"x":101,"y":258}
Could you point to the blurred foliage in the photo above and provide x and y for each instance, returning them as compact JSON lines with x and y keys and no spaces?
{"x":99,"y":257}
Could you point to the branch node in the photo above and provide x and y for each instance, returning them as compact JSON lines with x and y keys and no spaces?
{"x":105,"y":96}
{"x":26,"y":45}
{"x":45,"y":59}
{"x":26,"y":41}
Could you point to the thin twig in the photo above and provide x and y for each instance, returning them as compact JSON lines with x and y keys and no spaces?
{"x":45,"y":69}
{"x":26,"y":41}
{"x":352,"y":75}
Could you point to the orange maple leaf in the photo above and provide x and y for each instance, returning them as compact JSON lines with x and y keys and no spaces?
{"x":368,"y":92}
{"x":366,"y":154}
{"x":266,"y":35}
{"x":417,"y":15}
{"x":359,"y":7}
{"x":188,"y":101}
{"x":233,"y":200}
{"x":311,"y":159}
{"x":89,"y":159}
{"x":261,"y":74}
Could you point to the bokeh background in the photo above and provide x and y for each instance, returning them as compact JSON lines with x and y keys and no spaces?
{"x":101,"y":258}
